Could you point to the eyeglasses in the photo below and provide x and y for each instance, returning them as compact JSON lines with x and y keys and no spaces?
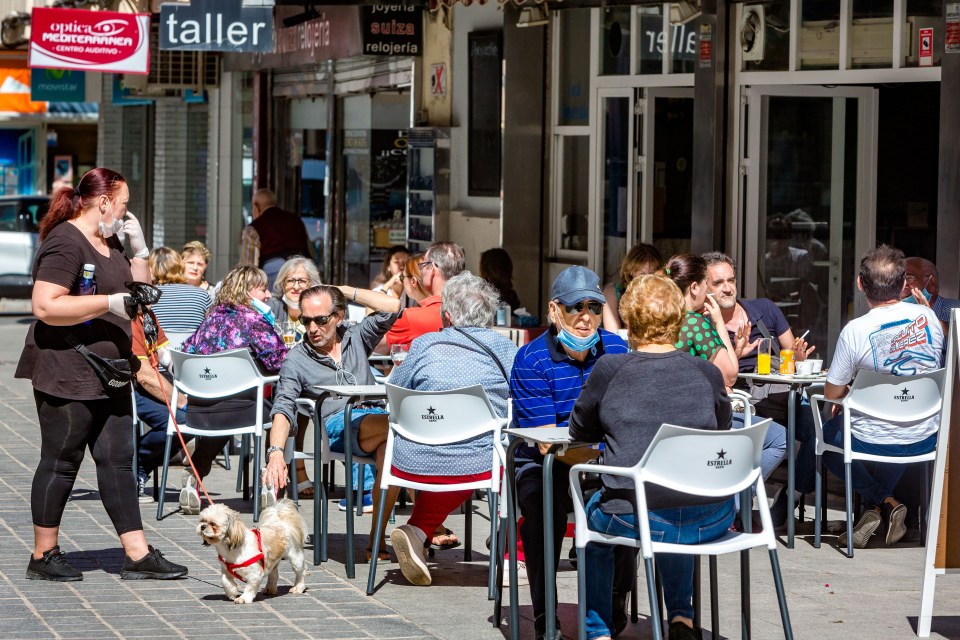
{"x":321,"y":321}
{"x":423,"y":265}
{"x":596,"y":308}
{"x":401,"y":276}
{"x":915,"y":279}
{"x":296,"y":282}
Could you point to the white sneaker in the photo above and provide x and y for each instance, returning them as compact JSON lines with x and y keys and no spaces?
{"x":268,"y":496}
{"x":521,"y":573}
{"x":409,"y":549}
{"x":189,"y":497}
{"x":862,"y":531}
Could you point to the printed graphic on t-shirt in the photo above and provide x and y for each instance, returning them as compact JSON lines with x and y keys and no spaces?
{"x":904,"y":347}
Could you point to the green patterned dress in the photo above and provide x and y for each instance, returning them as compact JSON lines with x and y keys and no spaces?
{"x":699,"y":337}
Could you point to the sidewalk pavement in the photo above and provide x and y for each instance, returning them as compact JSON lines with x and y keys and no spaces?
{"x":875,"y":595}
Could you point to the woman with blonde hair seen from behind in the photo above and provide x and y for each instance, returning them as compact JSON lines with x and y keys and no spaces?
{"x":623,"y":404}
{"x":181,"y":307}
{"x":641,"y":259}
{"x":196,"y":259}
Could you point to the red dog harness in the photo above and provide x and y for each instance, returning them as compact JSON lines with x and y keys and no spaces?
{"x":231,"y":566}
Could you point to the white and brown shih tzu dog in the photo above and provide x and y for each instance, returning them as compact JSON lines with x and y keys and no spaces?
{"x":248,"y":555}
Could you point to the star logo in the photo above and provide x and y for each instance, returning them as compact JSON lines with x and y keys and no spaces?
{"x":206,"y":370}
{"x":721,"y":455}
{"x":905,"y":391}
{"x":431,"y":411}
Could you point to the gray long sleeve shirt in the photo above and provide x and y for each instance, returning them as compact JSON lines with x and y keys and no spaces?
{"x":628,"y":397}
{"x":304,"y":368}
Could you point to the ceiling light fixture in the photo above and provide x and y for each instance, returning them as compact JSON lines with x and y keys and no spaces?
{"x":535,"y":16}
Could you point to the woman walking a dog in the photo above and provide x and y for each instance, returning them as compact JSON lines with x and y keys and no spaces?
{"x":85,"y":226}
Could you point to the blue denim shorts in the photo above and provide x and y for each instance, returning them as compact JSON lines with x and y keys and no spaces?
{"x":334,"y":425}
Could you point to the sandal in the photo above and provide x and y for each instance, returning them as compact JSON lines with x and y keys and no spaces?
{"x":383,"y":556}
{"x":305,"y":486}
{"x":447,"y":540}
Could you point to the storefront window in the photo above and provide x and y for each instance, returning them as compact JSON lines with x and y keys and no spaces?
{"x":923,"y":14}
{"x":820,"y":35}
{"x":574,"y":90}
{"x":574,"y":192}
{"x":683,"y":46}
{"x":871,"y":43}
{"x":615,"y":43}
{"x":764,"y":36}
{"x":650,"y":49}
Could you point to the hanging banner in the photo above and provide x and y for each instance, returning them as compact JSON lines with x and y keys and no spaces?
{"x":90,"y":40}
{"x":204,"y":25}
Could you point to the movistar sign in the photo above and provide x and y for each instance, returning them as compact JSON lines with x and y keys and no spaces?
{"x":216,"y":25}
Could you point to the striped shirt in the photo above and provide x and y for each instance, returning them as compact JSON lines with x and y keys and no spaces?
{"x":942,"y":307}
{"x":545,"y":382}
{"x":181,"y":308}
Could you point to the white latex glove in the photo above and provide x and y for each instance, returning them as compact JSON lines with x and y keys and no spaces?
{"x":132,"y":229}
{"x":115,"y":302}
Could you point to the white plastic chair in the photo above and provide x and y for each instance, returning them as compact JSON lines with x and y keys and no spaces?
{"x":884,"y":397}
{"x":466,"y":414}
{"x":308,"y":407}
{"x":680,"y":459}
{"x":211,"y":377}
{"x":175,"y":339}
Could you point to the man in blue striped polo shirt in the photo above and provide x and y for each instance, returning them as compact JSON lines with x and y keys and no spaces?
{"x":547,"y":377}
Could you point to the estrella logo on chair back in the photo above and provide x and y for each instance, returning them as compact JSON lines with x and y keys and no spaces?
{"x":431,"y":415}
{"x":904,"y":395}
{"x":207,"y":374}
{"x":721,"y":461}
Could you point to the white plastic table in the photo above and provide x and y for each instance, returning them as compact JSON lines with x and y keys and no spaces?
{"x":797,"y":384}
{"x":353,"y":393}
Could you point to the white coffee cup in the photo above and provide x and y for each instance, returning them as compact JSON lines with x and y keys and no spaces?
{"x":817,"y":365}
{"x":805,"y":368}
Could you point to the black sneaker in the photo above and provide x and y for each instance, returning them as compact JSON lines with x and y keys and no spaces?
{"x":152,"y":566}
{"x":52,"y":566}
{"x":540,"y":628}
{"x":680,"y":631}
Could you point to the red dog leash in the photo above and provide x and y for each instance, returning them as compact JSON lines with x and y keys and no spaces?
{"x":231,"y":566}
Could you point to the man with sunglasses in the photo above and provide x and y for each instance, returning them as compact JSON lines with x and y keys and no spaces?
{"x":547,"y":377}
{"x":330,"y":354}
{"x":442,"y":261}
{"x":923,"y":280}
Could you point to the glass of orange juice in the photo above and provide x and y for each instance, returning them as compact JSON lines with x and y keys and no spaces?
{"x":763,"y":357}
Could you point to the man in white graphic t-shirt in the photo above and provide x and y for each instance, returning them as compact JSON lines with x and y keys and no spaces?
{"x":893,"y":337}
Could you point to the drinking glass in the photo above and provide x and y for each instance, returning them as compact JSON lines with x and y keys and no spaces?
{"x":397,"y":353}
{"x":289,"y":333}
{"x":763,"y":356}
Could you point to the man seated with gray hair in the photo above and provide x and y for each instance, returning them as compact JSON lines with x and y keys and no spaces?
{"x":464,"y":353}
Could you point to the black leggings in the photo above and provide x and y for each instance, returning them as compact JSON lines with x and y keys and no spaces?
{"x":66,"y":428}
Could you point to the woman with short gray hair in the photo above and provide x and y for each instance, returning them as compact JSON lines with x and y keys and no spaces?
{"x":296,"y":274}
{"x":469,"y":301}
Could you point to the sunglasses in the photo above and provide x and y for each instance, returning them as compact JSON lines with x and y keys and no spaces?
{"x":596,"y":308}
{"x":401,"y":276}
{"x":321,"y":321}
{"x":423,"y":265}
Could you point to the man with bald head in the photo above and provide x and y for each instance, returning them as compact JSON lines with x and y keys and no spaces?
{"x":273,"y":236}
{"x":922,"y":275}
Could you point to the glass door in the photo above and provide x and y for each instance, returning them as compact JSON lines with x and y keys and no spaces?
{"x":615,"y":185}
{"x":809,"y":199}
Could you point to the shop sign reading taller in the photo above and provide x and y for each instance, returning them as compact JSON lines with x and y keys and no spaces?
{"x":90,"y":40}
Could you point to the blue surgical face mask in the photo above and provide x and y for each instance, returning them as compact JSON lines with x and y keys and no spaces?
{"x":575,"y":342}
{"x":912,"y":300}
{"x":264,"y":310}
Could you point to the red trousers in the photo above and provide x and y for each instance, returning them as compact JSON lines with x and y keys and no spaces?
{"x":433,"y":507}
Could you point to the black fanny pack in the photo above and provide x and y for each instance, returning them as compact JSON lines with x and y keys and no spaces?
{"x":115,"y":374}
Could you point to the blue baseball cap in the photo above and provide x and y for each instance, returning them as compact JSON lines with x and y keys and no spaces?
{"x":575,"y":284}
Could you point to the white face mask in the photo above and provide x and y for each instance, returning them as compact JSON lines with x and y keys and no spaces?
{"x":293,"y":304}
{"x":114,"y":229}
